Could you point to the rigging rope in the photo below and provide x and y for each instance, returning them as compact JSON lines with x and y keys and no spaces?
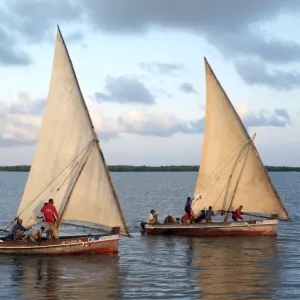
{"x":214,"y":175}
{"x":25,"y":208}
{"x":208,"y":182}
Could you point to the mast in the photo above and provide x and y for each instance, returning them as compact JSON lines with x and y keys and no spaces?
{"x":96,"y":137}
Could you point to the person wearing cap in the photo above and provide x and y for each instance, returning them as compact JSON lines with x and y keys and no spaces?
{"x":152,"y":218}
{"x":17,"y":231}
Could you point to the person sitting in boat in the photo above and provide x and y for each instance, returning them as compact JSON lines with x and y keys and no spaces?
{"x":177,"y":221}
{"x":237,"y":214}
{"x":209,"y":214}
{"x":185,"y":219}
{"x":17,"y":231}
{"x":169,"y":219}
{"x":51,"y":216}
{"x":152,"y":218}
{"x":35,"y":236}
{"x":201,"y":217}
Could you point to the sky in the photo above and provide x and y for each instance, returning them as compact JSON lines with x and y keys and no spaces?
{"x":141,"y":70}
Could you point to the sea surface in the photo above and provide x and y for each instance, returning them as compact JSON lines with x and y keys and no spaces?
{"x":160,"y":267}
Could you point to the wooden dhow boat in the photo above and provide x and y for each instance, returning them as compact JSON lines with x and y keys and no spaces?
{"x":231,"y":174}
{"x":69,"y":167}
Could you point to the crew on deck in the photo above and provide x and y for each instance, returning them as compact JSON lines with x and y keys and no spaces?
{"x":177,"y":221}
{"x":35,"y":236}
{"x":209,"y":214}
{"x":189,"y":214}
{"x":237,"y":214}
{"x":152,"y":217}
{"x":169,"y":219}
{"x":17,"y":231}
{"x":50,"y":216}
{"x":201,"y":217}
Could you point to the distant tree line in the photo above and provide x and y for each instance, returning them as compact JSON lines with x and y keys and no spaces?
{"x":124,"y":168}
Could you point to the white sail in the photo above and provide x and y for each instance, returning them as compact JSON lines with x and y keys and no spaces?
{"x":66,"y":139}
{"x":225,"y":143}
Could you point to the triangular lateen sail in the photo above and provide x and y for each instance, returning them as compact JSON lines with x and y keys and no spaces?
{"x":66,"y":138}
{"x":224,"y":138}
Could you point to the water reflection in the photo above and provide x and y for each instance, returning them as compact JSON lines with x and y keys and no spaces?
{"x":68,"y":277}
{"x":243,"y":268}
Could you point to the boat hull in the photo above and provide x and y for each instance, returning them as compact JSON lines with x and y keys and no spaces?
{"x":247,"y":228}
{"x":65,"y":245}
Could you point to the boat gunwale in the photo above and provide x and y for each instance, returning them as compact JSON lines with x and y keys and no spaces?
{"x":212,"y":225}
{"x":23,"y":245}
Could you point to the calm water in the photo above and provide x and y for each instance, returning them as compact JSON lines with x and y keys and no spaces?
{"x":160,"y":267}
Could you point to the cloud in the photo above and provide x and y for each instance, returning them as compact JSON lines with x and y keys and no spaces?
{"x":164,"y":124}
{"x":276,"y":118}
{"x":25,"y":105}
{"x":3,"y":112}
{"x":106,"y":127}
{"x":32,"y":22}
{"x":188,"y":88}
{"x":21,"y":119}
{"x":125,"y":90}
{"x":215,"y":20}
{"x":283,"y":113}
{"x":10,"y":53}
{"x":74,"y":36}
{"x":158,"y":68}
{"x":35,"y":19}
{"x":256,"y":72}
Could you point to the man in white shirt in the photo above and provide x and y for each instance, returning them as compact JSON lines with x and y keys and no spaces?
{"x":152,"y":218}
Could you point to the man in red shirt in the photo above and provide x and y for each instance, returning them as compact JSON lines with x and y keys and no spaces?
{"x":51,"y":217}
{"x":237,"y":214}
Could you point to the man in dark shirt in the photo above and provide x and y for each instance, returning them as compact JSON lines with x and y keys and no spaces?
{"x":188,"y":209}
{"x":201,"y":217}
{"x":188,"y":204}
{"x":17,"y":231}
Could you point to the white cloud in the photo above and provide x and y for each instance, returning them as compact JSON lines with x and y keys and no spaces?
{"x":278,"y":117}
{"x":145,"y":122}
{"x":105,"y":126}
{"x":20,"y":122}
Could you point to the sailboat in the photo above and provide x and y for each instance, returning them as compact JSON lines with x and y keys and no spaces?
{"x":231,"y":174}
{"x":69,"y":167}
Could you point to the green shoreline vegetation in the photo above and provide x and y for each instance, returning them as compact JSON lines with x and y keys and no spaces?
{"x":125,"y":168}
